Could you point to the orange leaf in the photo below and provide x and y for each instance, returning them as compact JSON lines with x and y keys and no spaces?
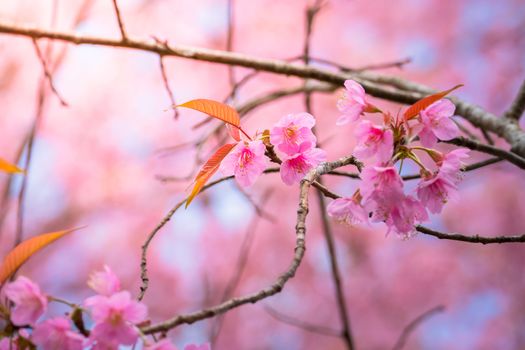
{"x":208,"y":169}
{"x":25,"y":250}
{"x":420,"y":105}
{"x":9,"y":168}
{"x":215,"y":109}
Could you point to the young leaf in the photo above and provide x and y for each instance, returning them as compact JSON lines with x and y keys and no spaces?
{"x":19,"y":255}
{"x":9,"y":168}
{"x":420,"y":105}
{"x":208,"y":169}
{"x":215,"y":109}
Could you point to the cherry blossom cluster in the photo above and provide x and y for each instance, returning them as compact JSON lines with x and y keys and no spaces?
{"x":381,"y":196}
{"x":115,"y":319}
{"x":295,"y":143}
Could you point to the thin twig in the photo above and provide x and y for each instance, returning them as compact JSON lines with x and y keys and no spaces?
{"x":336,"y":275}
{"x":400,"y":343}
{"x":120,"y":22}
{"x":47,"y":73}
{"x":167,"y":87}
{"x":229,"y":47}
{"x":492,"y":150}
{"x":309,"y":327}
{"x":471,"y":239}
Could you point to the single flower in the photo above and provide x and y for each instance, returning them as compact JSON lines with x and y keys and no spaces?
{"x":246,"y":161}
{"x":435,"y":191}
{"x":29,"y":301}
{"x":373,"y":140}
{"x":347,"y":210}
{"x":436,"y":123}
{"x":56,"y":333}
{"x":115,"y":317}
{"x":295,"y":167}
{"x":352,"y":104}
{"x":291,"y":131}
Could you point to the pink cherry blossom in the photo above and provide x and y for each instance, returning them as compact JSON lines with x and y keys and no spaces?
{"x":347,"y":210}
{"x":164,"y":344}
{"x":373,"y":141}
{"x":294,"y":168}
{"x":437,"y":123}
{"x":291,"y":131}
{"x":352,"y":104}
{"x":451,"y":163}
{"x":384,"y":181}
{"x":436,"y":191}
{"x":55,"y":334}
{"x":104,"y":282}
{"x":197,"y":347}
{"x":405,"y":215}
{"x":114,"y":318}
{"x":29,"y":302}
{"x":246,"y":161}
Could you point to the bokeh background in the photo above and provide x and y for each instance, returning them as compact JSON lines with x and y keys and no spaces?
{"x":97,"y":163}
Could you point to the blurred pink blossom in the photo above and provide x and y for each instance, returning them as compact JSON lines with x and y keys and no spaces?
{"x":29,"y":302}
{"x":380,"y":179}
{"x":55,"y":334}
{"x":452,"y":162}
{"x":246,"y":161}
{"x":291,"y":131}
{"x":104,"y":282}
{"x":114,"y":318}
{"x":352,"y":104}
{"x":437,"y":123}
{"x":373,"y":140}
{"x":435,"y":191}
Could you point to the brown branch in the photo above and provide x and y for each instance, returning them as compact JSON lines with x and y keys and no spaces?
{"x":309,"y":327}
{"x":336,"y":275}
{"x":47,"y":73}
{"x":400,"y":343}
{"x":120,"y":22}
{"x":517,"y":107}
{"x":229,"y":48}
{"x":492,"y":150}
{"x":167,"y":87}
{"x":278,"y":285}
{"x":471,"y":239}
{"x":400,"y":90}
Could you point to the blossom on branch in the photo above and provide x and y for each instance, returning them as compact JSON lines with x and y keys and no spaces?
{"x":347,"y":210}
{"x":246,"y":161}
{"x":352,"y":104}
{"x":30,"y":302}
{"x":373,"y":140}
{"x":436,"y":123}
{"x":291,"y":131}
{"x":295,"y":167}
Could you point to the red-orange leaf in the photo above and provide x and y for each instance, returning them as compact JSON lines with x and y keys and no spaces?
{"x":420,"y":105}
{"x":9,"y":168}
{"x":215,"y":109}
{"x":208,"y":169}
{"x":25,"y":250}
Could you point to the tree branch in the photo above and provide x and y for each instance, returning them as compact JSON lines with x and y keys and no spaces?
{"x":278,"y":285}
{"x":120,"y":22}
{"x":517,"y":107}
{"x":406,"y":92}
{"x":471,"y":239}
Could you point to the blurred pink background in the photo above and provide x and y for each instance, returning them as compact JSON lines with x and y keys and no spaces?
{"x":95,"y":163}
